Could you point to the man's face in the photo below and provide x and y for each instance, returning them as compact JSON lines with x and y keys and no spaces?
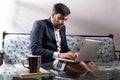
{"x":58,"y":20}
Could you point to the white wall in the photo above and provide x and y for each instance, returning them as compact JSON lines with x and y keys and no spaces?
{"x":6,"y":14}
{"x":87,"y":16}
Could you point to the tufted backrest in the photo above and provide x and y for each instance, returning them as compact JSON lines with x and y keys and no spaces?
{"x":17,"y":47}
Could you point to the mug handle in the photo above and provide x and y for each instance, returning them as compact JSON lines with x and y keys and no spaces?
{"x":24,"y":63}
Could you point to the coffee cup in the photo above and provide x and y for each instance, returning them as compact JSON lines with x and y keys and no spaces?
{"x":34,"y":63}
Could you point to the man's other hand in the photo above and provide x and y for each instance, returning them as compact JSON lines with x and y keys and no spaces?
{"x":69,"y":55}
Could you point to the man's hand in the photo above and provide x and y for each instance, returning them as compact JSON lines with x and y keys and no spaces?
{"x":68,"y":55}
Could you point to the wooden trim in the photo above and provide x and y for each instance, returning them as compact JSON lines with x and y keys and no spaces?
{"x":109,"y":35}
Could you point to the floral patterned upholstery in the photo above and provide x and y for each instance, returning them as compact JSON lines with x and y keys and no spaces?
{"x":17,"y":47}
{"x":104,"y":54}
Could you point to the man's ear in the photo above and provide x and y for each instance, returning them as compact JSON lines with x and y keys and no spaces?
{"x":52,"y":15}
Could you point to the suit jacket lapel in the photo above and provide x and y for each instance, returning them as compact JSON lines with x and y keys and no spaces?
{"x":62,"y":35}
{"x":51,"y":30}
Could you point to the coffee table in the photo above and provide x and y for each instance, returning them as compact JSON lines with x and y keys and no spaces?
{"x":108,"y":73}
{"x":105,"y":73}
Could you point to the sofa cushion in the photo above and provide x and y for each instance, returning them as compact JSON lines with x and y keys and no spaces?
{"x":17,"y":48}
{"x":104,"y":54}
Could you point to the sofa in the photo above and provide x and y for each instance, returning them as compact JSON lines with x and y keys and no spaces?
{"x":16,"y":47}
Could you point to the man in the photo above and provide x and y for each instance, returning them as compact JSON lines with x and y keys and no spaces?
{"x":48,"y":39}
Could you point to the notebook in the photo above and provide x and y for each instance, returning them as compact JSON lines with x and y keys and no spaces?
{"x":87,"y":51}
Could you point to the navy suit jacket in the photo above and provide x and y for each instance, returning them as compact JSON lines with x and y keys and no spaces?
{"x":43,"y":41}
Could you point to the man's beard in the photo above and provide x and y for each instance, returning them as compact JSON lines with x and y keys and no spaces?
{"x":58,"y":26}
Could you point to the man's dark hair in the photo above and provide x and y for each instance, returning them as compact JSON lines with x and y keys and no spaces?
{"x":62,"y":9}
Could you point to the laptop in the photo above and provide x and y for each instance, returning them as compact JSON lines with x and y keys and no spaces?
{"x":87,"y":51}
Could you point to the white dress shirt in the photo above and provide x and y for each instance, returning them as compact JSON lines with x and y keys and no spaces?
{"x":58,"y":42}
{"x":58,"y":65}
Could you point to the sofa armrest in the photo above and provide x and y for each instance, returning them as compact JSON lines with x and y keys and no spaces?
{"x":117,"y":54}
